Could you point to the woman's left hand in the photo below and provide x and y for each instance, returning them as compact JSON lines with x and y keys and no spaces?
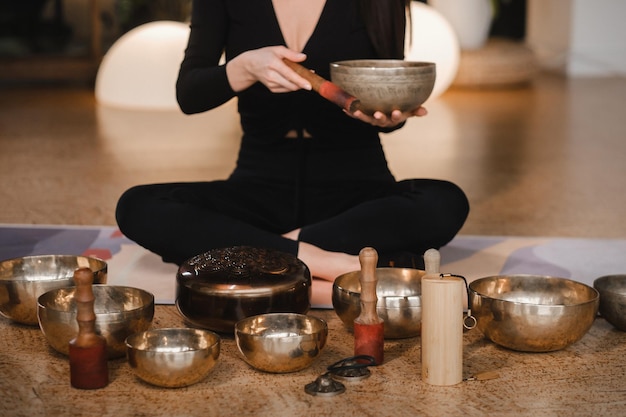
{"x":380,"y":119}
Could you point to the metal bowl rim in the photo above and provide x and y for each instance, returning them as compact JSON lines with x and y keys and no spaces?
{"x":386,"y":297}
{"x":384,"y":269}
{"x":17,"y":279}
{"x":238,"y":330}
{"x":393,"y":64}
{"x":598,"y":281}
{"x":123,"y":287}
{"x":548,"y":277}
{"x":216,"y":339}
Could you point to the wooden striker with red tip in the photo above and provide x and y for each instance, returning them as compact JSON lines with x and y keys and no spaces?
{"x":327,"y":89}
{"x":88,"y":351}
{"x":368,"y":326}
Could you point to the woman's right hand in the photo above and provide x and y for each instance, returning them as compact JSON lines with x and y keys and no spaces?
{"x":266,"y":65}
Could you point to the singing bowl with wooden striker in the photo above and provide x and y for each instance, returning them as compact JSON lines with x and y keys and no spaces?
{"x":399,"y":292}
{"x":385,"y":84}
{"x":23,"y":280}
{"x":612,"y":289}
{"x":120,"y":311}
{"x":281,"y":342}
{"x":533,"y":313}
{"x":216,"y":289}
{"x":173,"y":357}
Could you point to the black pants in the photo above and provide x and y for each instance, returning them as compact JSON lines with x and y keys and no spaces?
{"x":401,"y":221}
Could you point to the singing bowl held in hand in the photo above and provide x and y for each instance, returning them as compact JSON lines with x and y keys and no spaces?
{"x":385,"y":84}
{"x":533,"y":313}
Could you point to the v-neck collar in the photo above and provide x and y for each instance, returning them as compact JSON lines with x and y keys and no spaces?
{"x":315,"y":29}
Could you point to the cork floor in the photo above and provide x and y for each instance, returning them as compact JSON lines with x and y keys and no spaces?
{"x":545,"y":160}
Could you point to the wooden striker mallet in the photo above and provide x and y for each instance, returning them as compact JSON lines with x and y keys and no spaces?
{"x":327,"y":89}
{"x":88,"y":350}
{"x":368,"y":326}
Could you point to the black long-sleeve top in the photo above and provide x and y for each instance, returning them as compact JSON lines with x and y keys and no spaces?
{"x":341,"y":148}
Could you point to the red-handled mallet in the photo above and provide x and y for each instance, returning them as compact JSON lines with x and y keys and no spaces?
{"x":88,"y":350}
{"x":368,"y":327}
{"x":327,"y":89}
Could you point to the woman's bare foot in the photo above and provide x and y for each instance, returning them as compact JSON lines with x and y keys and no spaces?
{"x":327,"y":265}
{"x":322,"y":294}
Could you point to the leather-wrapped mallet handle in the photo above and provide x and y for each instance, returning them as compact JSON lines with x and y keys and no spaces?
{"x":368,"y":326}
{"x":368,"y":259}
{"x":84,"y":298}
{"x":327,"y":89}
{"x":88,"y":350}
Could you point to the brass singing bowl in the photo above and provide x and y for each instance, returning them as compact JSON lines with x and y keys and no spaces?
{"x":23,"y":280}
{"x":281,"y":342}
{"x":533,"y":313}
{"x":399,"y":292}
{"x":173,"y":357}
{"x":612,"y":289}
{"x":120,"y":311}
{"x":385,"y":84}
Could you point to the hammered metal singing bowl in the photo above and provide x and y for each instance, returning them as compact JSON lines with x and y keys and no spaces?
{"x":612,"y":289}
{"x":120,"y":312}
{"x":281,"y":342}
{"x":23,"y":280}
{"x":533,"y":313}
{"x":385,"y":84}
{"x":399,"y":292}
{"x":173,"y":357}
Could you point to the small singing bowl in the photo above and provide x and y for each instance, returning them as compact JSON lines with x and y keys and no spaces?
{"x":174,"y":357}
{"x":281,"y":342}
{"x":533,"y":313}
{"x":23,"y":280}
{"x":385,"y":84}
{"x":399,"y":292}
{"x":120,"y":311}
{"x":612,"y":289}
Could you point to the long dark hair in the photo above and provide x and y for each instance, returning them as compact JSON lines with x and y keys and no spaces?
{"x":386,"y":22}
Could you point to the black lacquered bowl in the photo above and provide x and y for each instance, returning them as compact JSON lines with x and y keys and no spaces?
{"x":216,"y":289}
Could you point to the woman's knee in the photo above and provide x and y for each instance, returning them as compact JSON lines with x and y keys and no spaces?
{"x":131,"y":207}
{"x":455,"y":197}
{"x":442,"y":202}
{"x":438,"y":193}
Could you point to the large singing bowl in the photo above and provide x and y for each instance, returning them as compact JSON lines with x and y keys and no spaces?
{"x":385,"y":84}
{"x":533,"y":313}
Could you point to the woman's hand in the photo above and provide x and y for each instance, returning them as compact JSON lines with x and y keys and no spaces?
{"x":380,"y":119}
{"x":266,"y":65}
